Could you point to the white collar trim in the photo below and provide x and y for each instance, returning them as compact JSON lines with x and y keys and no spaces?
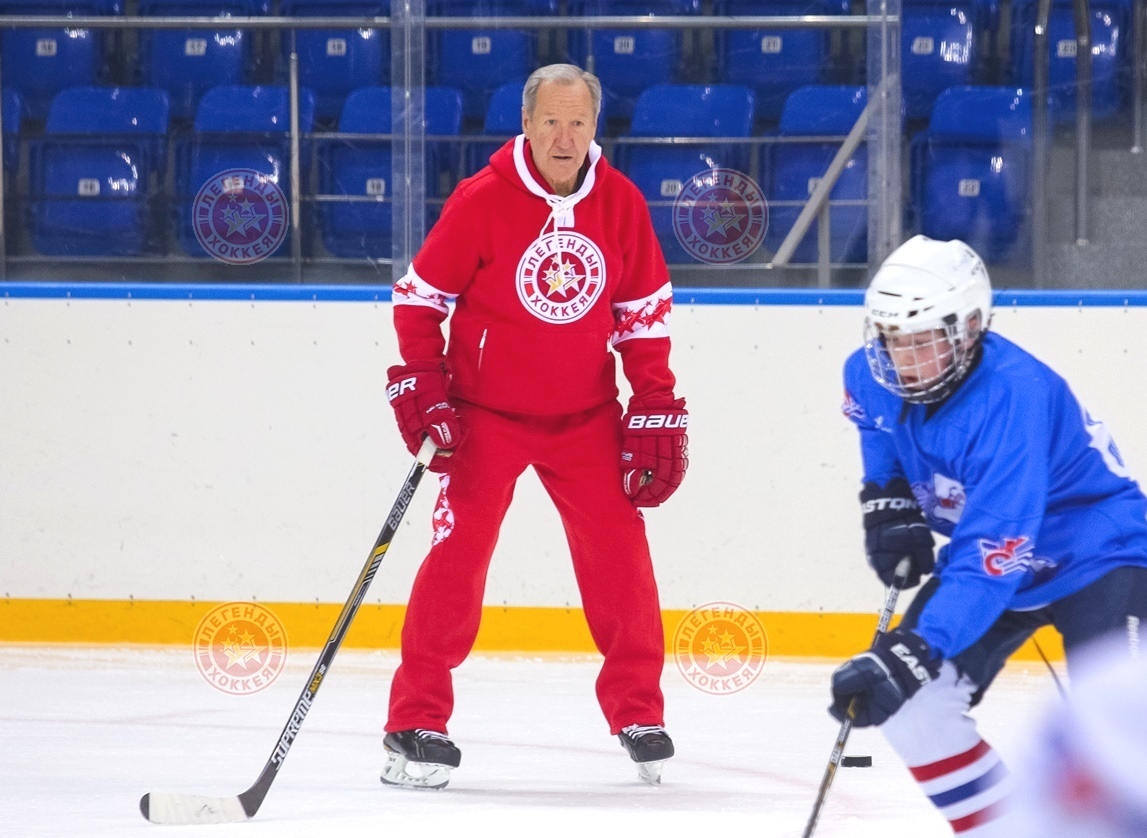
{"x":536,"y":188}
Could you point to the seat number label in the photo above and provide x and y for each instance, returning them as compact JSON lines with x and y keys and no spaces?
{"x":88,"y":187}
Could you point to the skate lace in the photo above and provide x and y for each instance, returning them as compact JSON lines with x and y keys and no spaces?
{"x":431,"y":734}
{"x":637,"y":731}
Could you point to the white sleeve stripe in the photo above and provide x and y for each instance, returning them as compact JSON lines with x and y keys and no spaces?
{"x":644,"y":318}
{"x":664,"y":291}
{"x":418,"y":301}
{"x":413,"y":290}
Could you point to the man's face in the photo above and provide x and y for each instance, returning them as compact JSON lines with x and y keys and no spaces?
{"x":921,"y":358}
{"x":560,"y":130}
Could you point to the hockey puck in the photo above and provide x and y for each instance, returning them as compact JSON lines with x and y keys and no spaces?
{"x":856,"y":762}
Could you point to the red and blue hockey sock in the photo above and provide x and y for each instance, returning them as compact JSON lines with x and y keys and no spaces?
{"x":957,"y":770}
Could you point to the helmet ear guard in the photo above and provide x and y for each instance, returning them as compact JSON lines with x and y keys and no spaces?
{"x":932,"y":301}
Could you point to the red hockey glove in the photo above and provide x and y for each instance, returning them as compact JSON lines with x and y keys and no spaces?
{"x":417,"y":392}
{"x":654,"y":451}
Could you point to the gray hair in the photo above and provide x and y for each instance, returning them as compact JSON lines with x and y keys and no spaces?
{"x":560,"y":74}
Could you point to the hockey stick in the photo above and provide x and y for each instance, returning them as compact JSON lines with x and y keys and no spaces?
{"x":1051,"y":669}
{"x":166,"y":808}
{"x":890,"y":598}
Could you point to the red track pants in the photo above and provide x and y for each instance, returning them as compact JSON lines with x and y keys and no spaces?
{"x":578,"y":459}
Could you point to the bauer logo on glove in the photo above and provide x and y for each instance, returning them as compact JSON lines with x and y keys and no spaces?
{"x":652,"y":421}
{"x":417,"y":392}
{"x":396,"y":389}
{"x":654,"y":451}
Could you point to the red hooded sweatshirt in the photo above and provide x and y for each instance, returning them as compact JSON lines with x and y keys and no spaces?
{"x":544,"y":285}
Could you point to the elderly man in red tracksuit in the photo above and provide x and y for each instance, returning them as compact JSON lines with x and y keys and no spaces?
{"x":551,"y":256}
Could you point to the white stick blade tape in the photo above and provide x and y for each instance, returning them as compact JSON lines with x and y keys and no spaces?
{"x":193,"y":809}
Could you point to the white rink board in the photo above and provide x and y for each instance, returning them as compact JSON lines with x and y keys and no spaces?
{"x":170,"y":449}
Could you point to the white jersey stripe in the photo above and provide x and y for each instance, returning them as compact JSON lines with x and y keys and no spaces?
{"x":413,"y":290}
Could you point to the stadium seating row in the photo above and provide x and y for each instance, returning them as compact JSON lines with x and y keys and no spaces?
{"x":99,"y":181}
{"x":944,"y":44}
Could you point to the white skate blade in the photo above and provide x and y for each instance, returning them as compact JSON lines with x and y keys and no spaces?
{"x":650,"y":772}
{"x":402,"y":773}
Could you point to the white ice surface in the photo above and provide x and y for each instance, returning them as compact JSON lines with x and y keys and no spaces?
{"x":84,"y":732}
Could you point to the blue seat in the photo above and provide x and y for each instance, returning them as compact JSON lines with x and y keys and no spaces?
{"x":237,"y":127}
{"x":187,"y":63}
{"x":774,"y":62}
{"x":11,"y":111}
{"x":627,"y":61}
{"x":1111,"y":37}
{"x":94,"y":174}
{"x":790,"y":172}
{"x":362,"y":168}
{"x":940,"y":46}
{"x":660,"y":171}
{"x":480,"y":60}
{"x":971,"y":170}
{"x":503,"y":119}
{"x":332,"y":63}
{"x":39,"y":63}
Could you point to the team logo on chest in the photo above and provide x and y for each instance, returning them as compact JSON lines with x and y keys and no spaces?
{"x":561,"y":277}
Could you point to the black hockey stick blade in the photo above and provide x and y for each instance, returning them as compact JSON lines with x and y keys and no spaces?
{"x":187,"y":809}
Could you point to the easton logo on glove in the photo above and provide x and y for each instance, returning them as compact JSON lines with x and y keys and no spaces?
{"x":912,"y":663}
{"x":880,"y":504}
{"x":653,"y":421}
{"x":874,"y":685}
{"x":895,"y":528}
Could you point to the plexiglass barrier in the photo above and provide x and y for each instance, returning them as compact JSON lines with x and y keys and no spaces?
{"x":317,"y":141}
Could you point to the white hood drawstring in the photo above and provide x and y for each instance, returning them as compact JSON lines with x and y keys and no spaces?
{"x":561,"y":208}
{"x":561,"y":215}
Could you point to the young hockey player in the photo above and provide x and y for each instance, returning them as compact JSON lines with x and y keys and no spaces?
{"x":964,"y":433}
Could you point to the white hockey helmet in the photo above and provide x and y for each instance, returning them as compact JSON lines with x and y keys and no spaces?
{"x":926,"y":309}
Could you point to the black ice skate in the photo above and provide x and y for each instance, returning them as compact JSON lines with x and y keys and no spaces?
{"x":649,"y":746}
{"x":419,"y":759}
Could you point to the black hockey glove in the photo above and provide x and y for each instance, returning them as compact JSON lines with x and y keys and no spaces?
{"x":895,"y":528}
{"x":883,"y":678}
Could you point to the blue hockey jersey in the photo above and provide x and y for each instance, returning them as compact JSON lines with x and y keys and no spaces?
{"x":1028,"y":486}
